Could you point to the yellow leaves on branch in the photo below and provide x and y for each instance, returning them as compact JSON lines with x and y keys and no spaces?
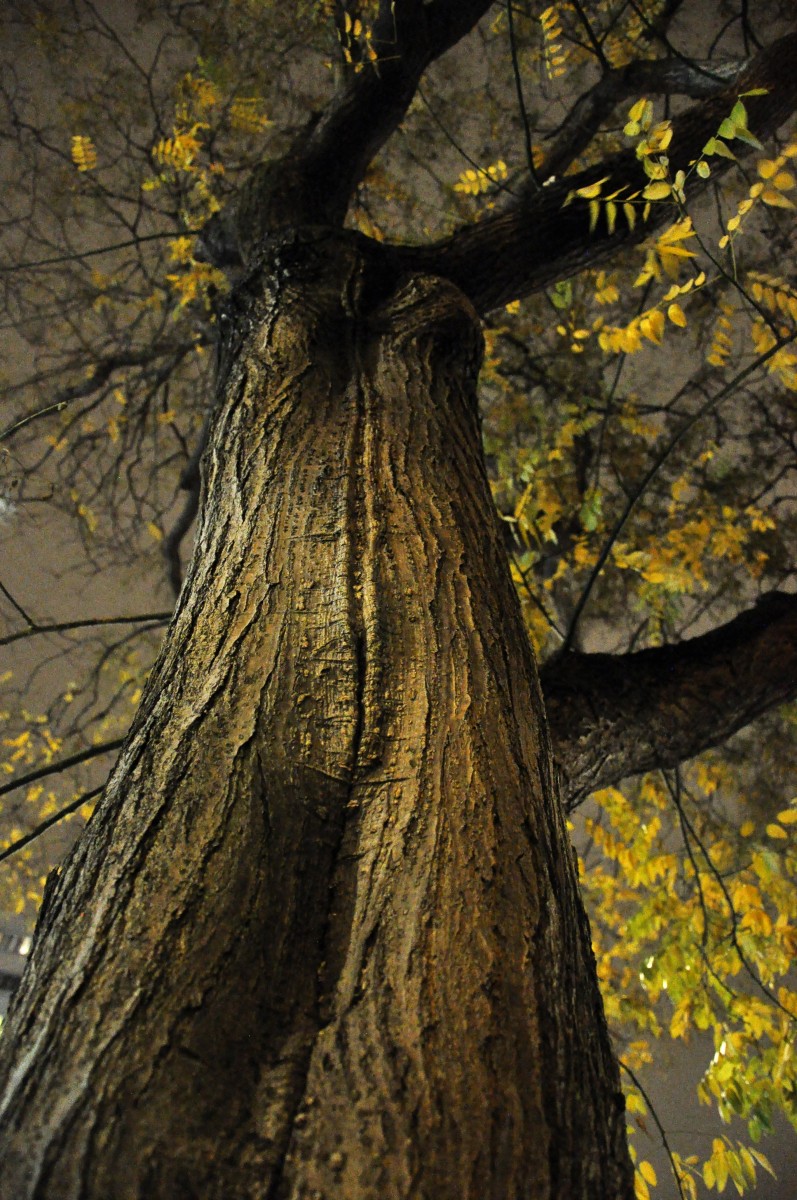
{"x":196,"y":283}
{"x":248,"y":116}
{"x":738,"y":1165}
{"x":84,"y":153}
{"x":773,"y":293}
{"x":357,"y":36}
{"x":667,"y":253}
{"x":555,"y":53}
{"x":475,"y":181}
{"x":180,"y":152}
{"x":770,"y":189}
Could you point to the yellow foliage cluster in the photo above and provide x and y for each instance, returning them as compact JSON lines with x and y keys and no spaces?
{"x":554,"y":52}
{"x":474,"y":181}
{"x":84,"y":153}
{"x":675,"y":926}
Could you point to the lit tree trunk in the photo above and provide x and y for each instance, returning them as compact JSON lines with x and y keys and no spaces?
{"x":323,"y":936}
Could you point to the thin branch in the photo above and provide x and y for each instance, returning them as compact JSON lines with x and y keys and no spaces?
{"x":63,"y":764}
{"x":665,"y":1143}
{"x":100,"y":376}
{"x":703,"y":411}
{"x":156,"y":619}
{"x":73,"y":806}
{"x":77,"y":255}
{"x":520,"y":98}
{"x":17,"y":606}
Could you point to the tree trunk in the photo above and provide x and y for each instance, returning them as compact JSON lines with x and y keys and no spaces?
{"x":323,"y":936}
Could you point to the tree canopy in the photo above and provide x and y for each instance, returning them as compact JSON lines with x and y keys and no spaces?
{"x":610,"y":185}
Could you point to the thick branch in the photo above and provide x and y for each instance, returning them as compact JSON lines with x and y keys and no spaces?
{"x":618,"y":715}
{"x":537,"y":240}
{"x":407,"y":36}
{"x":661,"y":77}
{"x":314,"y":182}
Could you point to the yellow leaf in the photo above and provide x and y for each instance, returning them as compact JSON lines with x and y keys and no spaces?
{"x":637,"y":111}
{"x":659,"y":190}
{"x":652,"y":325}
{"x":747,"y":829}
{"x":591,"y":190}
{"x":153,"y":530}
{"x":775,"y":831}
{"x":776,"y":199}
{"x":767,"y":168}
{"x":784,"y":181}
{"x":676,"y":315}
{"x":648,"y":1174}
{"x":788,"y":816}
{"x":641,"y":1189}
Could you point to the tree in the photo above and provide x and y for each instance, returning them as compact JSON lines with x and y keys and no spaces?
{"x":323,"y":934}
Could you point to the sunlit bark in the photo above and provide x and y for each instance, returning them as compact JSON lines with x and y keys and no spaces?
{"x":323,"y":936}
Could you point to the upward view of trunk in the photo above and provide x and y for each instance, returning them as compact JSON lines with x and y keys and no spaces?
{"x":323,"y":937}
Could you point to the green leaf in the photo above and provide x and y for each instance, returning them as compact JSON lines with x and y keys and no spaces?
{"x":744,"y":135}
{"x":562,"y":295}
{"x":739,"y":114}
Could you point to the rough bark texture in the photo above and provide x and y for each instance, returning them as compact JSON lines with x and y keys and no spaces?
{"x":614,"y":715}
{"x":323,"y":937}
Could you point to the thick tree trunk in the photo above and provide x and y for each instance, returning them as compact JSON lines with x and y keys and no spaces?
{"x":323,"y":937}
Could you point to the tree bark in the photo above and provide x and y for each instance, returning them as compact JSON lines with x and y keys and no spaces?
{"x":615,"y":715}
{"x":323,"y":936}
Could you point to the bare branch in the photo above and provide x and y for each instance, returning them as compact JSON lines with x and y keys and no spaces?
{"x":43,"y":826}
{"x":155,"y":619}
{"x":62,"y":764}
{"x":101,"y":373}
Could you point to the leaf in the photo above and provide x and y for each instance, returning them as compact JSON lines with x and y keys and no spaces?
{"x":641,"y":1189}
{"x":676,"y":315}
{"x":788,"y":816}
{"x":744,"y":135}
{"x":658,"y":190}
{"x":776,"y":199}
{"x":776,"y":831}
{"x":648,"y":1174}
{"x":591,"y":190}
{"x":723,"y":150}
{"x":739,"y":115}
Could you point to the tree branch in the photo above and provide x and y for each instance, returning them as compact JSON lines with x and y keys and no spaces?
{"x":617,"y":715}
{"x":154,"y":619}
{"x":660,"y":77}
{"x":536,"y":240}
{"x":61,"y":764}
{"x":313,"y":183}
